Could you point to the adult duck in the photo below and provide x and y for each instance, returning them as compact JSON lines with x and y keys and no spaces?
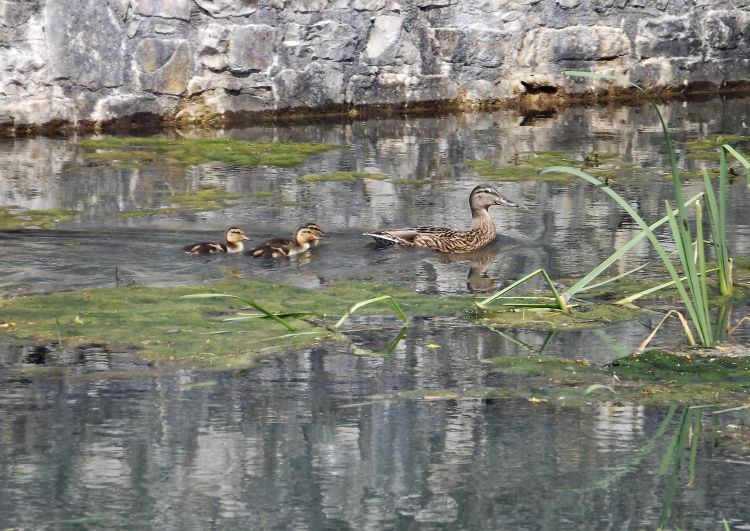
{"x":233,"y":244}
{"x":447,"y":240}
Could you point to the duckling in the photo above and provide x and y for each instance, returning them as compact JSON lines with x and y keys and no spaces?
{"x":304,"y":238}
{"x":234,"y":237}
{"x":446,"y":240}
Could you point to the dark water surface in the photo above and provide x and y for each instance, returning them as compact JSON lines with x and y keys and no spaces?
{"x":318,"y":439}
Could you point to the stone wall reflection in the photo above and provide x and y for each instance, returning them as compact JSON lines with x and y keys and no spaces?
{"x":317,"y":440}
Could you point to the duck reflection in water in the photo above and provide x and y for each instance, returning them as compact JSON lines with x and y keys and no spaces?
{"x":478,"y":279}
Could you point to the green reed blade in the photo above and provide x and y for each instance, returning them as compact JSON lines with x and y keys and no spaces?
{"x":742,"y":160}
{"x":687,"y":301}
{"x":691,"y":303}
{"x":247,"y":301}
{"x":583,"y":284}
{"x":636,"y":296}
{"x":560,"y":302}
{"x":702,"y":278}
{"x":717,"y":215}
{"x":391,"y":302}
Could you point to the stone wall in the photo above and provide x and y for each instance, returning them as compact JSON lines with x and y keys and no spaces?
{"x":87,"y":63}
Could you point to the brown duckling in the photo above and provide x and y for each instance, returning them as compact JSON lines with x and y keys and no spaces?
{"x":446,"y":240}
{"x":304,"y":238}
{"x":234,"y":237}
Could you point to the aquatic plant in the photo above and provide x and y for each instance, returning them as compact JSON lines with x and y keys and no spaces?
{"x":341,"y":176}
{"x":556,"y":302}
{"x":12,"y":218}
{"x":187,"y":151}
{"x":382,"y":298}
{"x":695,"y":296}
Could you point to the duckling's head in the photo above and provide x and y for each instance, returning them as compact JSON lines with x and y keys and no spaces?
{"x":483,"y":197}
{"x":307,"y":234}
{"x":314,"y":227}
{"x":235,"y":235}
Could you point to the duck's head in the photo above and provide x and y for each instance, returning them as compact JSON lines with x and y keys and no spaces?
{"x":235,"y":235}
{"x":483,"y":197}
{"x":307,"y":234}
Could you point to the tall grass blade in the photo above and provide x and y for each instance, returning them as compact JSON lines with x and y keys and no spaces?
{"x":742,"y":160}
{"x":687,"y":301}
{"x":583,"y":284}
{"x":717,"y":215}
{"x":390,"y":300}
{"x":247,"y":301}
{"x":560,"y":302}
{"x":630,"y":298}
{"x":698,"y":314}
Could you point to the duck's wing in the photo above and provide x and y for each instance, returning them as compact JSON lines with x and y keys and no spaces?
{"x":407,"y":236}
{"x":271,"y":248}
{"x":205,"y":248}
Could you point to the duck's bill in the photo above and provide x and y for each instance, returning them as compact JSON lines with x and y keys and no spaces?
{"x":506,"y":202}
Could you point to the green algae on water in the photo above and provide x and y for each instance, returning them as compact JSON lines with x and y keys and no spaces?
{"x":525,"y":167}
{"x":341,"y":176}
{"x":162,"y":326}
{"x":201,"y":200}
{"x":657,"y":365}
{"x":188,"y":151}
{"x":12,"y":218}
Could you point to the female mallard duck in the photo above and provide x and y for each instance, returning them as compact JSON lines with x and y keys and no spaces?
{"x":445,"y":240}
{"x":304,"y":237}
{"x":233,"y":236}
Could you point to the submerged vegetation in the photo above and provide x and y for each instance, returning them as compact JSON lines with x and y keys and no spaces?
{"x":188,"y":151}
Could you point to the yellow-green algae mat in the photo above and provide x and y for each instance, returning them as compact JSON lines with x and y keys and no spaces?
{"x":186,"y":151}
{"x":162,"y":325}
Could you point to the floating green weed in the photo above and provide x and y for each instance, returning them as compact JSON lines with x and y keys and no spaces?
{"x":187,"y":151}
{"x":204,"y":199}
{"x":526,"y":166}
{"x":410,"y":182}
{"x":341,"y":176}
{"x":708,"y":148}
{"x":663,"y":366}
{"x":163,"y":326}
{"x":146,"y":212}
{"x":12,"y":218}
{"x":201,"y":200}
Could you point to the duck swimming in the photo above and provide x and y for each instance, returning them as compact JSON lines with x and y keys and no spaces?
{"x":304,"y":238}
{"x":234,"y":237}
{"x":447,"y":240}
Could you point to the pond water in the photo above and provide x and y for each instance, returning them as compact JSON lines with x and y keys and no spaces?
{"x":318,"y":439}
